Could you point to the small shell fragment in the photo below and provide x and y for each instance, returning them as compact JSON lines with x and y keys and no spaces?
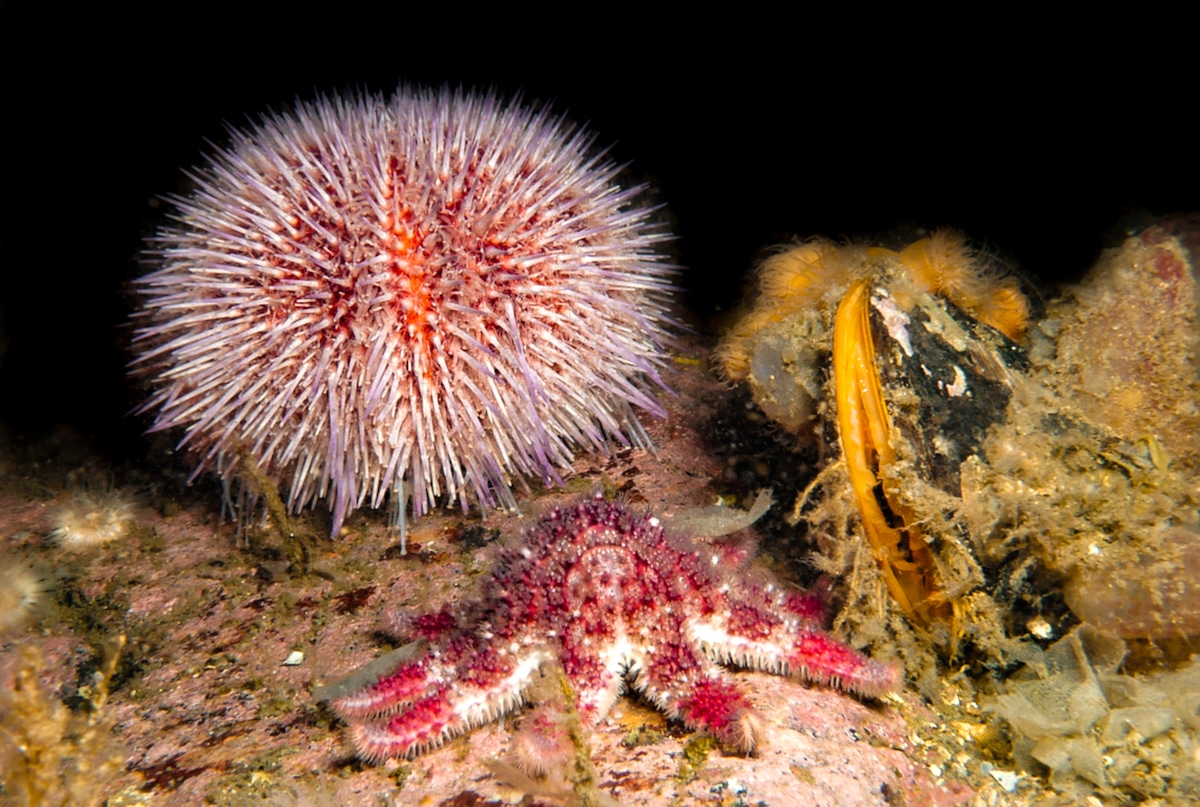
{"x":294,"y":659}
{"x":1040,"y":628}
{"x":1006,"y":779}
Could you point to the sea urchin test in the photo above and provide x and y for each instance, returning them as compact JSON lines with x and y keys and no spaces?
{"x":438,"y":292}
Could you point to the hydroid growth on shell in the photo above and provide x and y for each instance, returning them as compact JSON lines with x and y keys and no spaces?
{"x":438,"y":291}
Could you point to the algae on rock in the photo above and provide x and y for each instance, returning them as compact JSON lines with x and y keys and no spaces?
{"x":1098,"y":730}
{"x":49,"y":755}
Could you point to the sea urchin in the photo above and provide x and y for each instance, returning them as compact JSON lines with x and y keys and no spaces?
{"x":437,"y":292}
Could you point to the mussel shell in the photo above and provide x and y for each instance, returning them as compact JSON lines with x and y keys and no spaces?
{"x":946,"y":378}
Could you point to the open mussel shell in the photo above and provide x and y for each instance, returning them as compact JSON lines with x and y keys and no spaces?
{"x":917,"y":383}
{"x":996,"y":482}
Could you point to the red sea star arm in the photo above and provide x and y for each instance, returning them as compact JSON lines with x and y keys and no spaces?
{"x":396,"y":679}
{"x":597,"y":683}
{"x":391,"y":692}
{"x":689,"y":687}
{"x":814,"y":656}
{"x":746,"y":633}
{"x":819,"y":657}
{"x":450,"y":690}
{"x":719,"y":707}
{"x":423,"y":725}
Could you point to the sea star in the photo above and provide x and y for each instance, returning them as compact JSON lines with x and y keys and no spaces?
{"x":612,"y":597}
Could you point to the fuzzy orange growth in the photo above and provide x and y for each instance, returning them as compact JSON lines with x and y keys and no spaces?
{"x":733,"y":354}
{"x":789,"y":281}
{"x":799,"y":276}
{"x":943,"y":264}
{"x":865,"y":429}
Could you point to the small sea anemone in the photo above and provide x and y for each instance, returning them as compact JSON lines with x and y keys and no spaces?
{"x":543,"y":744}
{"x":21,"y":588}
{"x":91,"y":519}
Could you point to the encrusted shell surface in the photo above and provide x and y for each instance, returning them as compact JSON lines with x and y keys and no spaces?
{"x":1093,"y":472}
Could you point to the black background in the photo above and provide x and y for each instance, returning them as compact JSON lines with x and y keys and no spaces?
{"x":1043,"y":148}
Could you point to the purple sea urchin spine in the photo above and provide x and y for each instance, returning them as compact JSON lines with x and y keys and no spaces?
{"x":436,"y":291}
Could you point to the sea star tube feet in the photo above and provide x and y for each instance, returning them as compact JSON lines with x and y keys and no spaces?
{"x":613,"y":598}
